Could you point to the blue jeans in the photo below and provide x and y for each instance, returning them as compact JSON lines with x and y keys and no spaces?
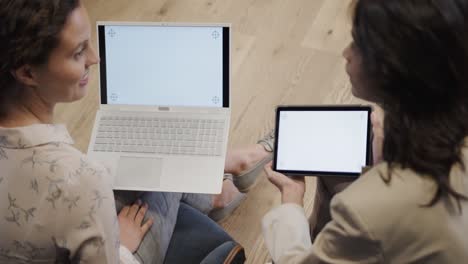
{"x":167,"y":210}
{"x":198,"y":239}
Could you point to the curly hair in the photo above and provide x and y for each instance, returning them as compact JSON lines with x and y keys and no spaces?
{"x":29,"y":31}
{"x":415,"y":52}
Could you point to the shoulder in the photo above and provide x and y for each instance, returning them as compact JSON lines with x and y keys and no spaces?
{"x":65,"y":168}
{"x":377,"y":186}
{"x":386,"y":206}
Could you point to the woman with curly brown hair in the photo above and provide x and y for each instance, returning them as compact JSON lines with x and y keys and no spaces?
{"x":56,"y":205}
{"x":411,"y":58}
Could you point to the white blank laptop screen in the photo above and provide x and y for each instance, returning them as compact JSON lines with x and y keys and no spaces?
{"x":322,"y":141}
{"x":163,"y":65}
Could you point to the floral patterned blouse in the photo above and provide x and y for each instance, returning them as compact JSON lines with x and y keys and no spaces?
{"x":55,"y":204}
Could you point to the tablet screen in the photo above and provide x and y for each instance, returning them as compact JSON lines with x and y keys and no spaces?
{"x":322,"y":140}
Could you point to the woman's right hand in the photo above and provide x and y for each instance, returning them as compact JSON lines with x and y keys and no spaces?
{"x":132,"y":231}
{"x":292,"y":188}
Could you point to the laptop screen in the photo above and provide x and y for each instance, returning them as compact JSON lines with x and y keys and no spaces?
{"x":164,"y":65}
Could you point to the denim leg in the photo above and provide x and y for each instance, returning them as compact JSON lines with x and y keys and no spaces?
{"x":163,"y":208}
{"x":194,"y":237}
{"x":201,"y":202}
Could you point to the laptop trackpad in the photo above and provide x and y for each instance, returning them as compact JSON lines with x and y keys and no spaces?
{"x":138,"y":172}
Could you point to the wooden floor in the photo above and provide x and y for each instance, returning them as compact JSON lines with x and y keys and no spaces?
{"x":284,"y":52}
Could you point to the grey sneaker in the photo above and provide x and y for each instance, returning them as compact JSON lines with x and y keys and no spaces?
{"x":246,"y":180}
{"x":268,"y":142}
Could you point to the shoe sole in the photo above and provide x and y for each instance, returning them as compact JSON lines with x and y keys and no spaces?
{"x":246,"y":180}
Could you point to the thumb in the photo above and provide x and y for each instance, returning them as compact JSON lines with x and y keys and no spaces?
{"x":274,"y":177}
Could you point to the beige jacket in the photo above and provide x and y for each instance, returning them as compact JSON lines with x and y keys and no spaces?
{"x":373,"y":222}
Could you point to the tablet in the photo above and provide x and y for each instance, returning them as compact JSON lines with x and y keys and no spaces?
{"x":322,"y":140}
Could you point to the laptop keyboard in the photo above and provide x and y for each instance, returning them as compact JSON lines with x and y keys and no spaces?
{"x":156,"y":135}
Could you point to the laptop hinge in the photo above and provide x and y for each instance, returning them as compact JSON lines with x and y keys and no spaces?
{"x":163,"y":109}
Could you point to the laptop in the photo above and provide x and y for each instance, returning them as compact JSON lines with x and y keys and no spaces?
{"x":164,"y":113}
{"x":322,"y":140}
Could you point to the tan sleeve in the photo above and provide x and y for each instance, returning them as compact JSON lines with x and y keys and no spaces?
{"x":286,"y":233}
{"x":345,"y":239}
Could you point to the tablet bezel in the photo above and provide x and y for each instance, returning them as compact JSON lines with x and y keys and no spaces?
{"x":280,"y":109}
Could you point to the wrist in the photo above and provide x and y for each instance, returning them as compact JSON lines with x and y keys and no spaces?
{"x":127,"y":246}
{"x":291,"y":195}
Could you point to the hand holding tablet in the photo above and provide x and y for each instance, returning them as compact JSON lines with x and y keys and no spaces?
{"x":322,"y":140}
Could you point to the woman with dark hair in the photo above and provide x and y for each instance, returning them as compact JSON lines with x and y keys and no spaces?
{"x":411,"y":58}
{"x":56,"y":205}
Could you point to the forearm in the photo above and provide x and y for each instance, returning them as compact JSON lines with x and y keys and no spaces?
{"x":286,"y":233}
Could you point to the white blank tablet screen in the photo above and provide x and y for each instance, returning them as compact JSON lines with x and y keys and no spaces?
{"x":322,"y":141}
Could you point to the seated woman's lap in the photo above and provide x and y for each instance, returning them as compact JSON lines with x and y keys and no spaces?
{"x":163,"y":208}
{"x":201,"y":202}
{"x":196,"y":237}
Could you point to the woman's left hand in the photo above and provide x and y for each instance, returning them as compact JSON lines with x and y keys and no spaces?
{"x":132,"y":227}
{"x":292,"y":188}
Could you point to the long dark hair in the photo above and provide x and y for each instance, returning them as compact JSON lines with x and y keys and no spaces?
{"x":415,"y":54}
{"x":29,"y":31}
